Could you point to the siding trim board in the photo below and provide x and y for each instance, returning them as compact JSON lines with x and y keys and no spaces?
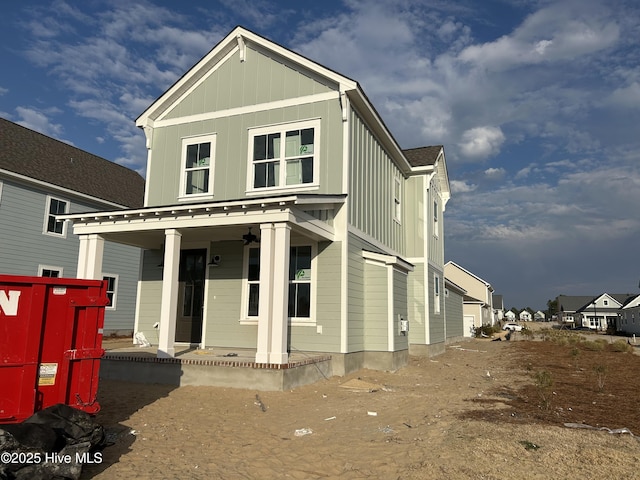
{"x":261,"y":107}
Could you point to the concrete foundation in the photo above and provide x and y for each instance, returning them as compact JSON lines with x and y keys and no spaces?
{"x":228,"y":373}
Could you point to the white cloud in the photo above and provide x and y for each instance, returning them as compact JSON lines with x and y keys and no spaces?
{"x":495,"y":173}
{"x":458,"y":186}
{"x":559,"y":32}
{"x":38,"y":121}
{"x":481,"y":142}
{"x":4,"y":91}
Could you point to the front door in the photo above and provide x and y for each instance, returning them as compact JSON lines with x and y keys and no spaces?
{"x":193,"y":265}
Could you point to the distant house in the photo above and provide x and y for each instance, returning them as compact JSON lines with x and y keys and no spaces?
{"x":510,"y":316}
{"x":478,"y":301}
{"x":281,"y":214}
{"x":594,"y":312}
{"x":601,"y":312}
{"x":539,"y":316}
{"x":40,"y":178}
{"x":629,"y":320}
{"x":525,"y":316}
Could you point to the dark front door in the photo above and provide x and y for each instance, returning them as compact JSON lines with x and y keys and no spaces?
{"x":193,"y":265}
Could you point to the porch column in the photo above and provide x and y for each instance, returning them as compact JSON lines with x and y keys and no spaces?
{"x":169,"y":300}
{"x":90,"y":256}
{"x":280,"y":289}
{"x":263,"y":346}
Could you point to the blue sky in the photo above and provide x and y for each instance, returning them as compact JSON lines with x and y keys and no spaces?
{"x":536,"y":102}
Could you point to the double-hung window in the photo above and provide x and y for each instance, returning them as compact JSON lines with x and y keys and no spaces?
{"x":52,"y":226}
{"x":112,"y":287}
{"x":197,"y":166}
{"x":300,"y":282}
{"x":253,"y":282}
{"x":436,"y":226}
{"x":436,"y":294}
{"x":284,"y":156}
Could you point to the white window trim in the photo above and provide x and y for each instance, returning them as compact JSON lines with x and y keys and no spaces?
{"x":186,"y":141}
{"x":115,"y":289}
{"x":436,"y":293}
{"x":283,"y":128}
{"x":397,"y":199}
{"x":436,"y":218}
{"x":244,"y":306}
{"x":45,"y":231}
{"x":0,"y":192}
{"x":293,"y":321}
{"x":42,"y":268}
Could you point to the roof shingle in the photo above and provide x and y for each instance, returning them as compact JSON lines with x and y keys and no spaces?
{"x":29,"y":153}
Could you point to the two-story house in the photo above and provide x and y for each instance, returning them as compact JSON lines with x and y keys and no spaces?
{"x":40,"y":178}
{"x":478,"y":301}
{"x":280,"y":214}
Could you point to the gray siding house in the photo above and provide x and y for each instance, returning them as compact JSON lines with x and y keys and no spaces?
{"x":40,"y":178}
{"x":280,"y":214}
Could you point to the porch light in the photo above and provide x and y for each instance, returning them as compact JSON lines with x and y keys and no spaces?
{"x":215,"y":261}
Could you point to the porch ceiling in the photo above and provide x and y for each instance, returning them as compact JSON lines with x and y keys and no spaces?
{"x":213,"y":221}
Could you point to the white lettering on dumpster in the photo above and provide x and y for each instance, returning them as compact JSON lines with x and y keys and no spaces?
{"x":9,"y":303}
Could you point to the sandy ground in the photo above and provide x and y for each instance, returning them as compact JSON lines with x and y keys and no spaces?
{"x":408,"y":424}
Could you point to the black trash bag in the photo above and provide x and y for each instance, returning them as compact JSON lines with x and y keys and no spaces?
{"x":50,"y":445}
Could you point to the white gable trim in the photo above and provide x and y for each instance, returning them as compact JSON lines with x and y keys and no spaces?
{"x":289,"y":102}
{"x":236,"y":40}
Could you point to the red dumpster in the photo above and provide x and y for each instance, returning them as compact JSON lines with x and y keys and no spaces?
{"x":50,"y":344}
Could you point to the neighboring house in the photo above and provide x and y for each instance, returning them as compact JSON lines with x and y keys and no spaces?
{"x":40,"y":178}
{"x":568,"y":306}
{"x":280,"y":214}
{"x":478,"y":301}
{"x":629,"y":320}
{"x":510,"y":316}
{"x":540,"y":316}
{"x":593,"y":312}
{"x":601,"y":312}
{"x":498,"y":308}
{"x":524,"y":316}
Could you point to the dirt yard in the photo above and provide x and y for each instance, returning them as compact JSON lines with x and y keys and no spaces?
{"x":484,"y":410}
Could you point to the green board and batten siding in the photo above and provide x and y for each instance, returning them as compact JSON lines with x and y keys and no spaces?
{"x":376,"y":308}
{"x":254,"y":84}
{"x":371,"y":195}
{"x":235,"y":84}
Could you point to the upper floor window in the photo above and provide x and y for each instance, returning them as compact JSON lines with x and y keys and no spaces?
{"x":197,"y":165}
{"x":54,"y":207}
{"x":397,"y":199}
{"x":284,"y":156}
{"x":436,"y":228}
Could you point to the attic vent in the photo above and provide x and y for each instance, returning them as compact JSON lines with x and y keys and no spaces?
{"x":242,"y":48}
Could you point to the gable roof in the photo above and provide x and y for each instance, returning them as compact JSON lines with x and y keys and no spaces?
{"x":453,"y":264}
{"x":31,"y":154}
{"x":347,"y":89}
{"x":423,"y":156}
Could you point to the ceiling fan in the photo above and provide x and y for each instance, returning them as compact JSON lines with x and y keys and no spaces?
{"x":250,"y":238}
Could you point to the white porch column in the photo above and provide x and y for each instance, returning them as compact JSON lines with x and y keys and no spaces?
{"x":263,"y":346}
{"x":169,"y":301}
{"x":279,"y":320}
{"x":90,"y":256}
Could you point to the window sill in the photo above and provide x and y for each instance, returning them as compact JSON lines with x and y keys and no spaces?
{"x":303,"y":187}
{"x":186,"y":198}
{"x":295,"y":322}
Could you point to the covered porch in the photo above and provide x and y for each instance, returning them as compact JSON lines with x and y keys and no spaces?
{"x":271,"y":221}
